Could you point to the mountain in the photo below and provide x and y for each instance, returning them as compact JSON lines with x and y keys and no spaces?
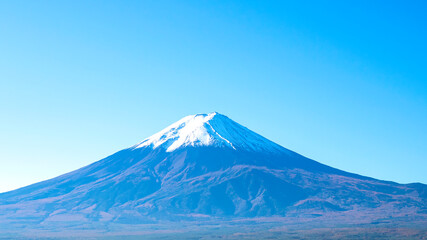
{"x":207,"y":166}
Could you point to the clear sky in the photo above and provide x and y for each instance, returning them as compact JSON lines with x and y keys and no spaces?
{"x":341,"y":82}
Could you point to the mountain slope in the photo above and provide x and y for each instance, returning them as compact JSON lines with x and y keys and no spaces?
{"x":208,"y":165}
{"x":214,"y":130}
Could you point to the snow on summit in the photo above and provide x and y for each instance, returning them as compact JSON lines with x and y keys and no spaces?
{"x":211,"y":129}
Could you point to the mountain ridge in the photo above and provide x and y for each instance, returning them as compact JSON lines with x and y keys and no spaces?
{"x":212,"y":129}
{"x":203,"y":175}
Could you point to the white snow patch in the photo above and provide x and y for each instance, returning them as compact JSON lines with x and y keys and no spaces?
{"x":211,"y":129}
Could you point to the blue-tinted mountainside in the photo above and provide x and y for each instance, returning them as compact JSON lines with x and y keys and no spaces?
{"x":206,"y":166}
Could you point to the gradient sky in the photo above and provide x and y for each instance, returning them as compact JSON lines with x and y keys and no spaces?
{"x":341,"y":82}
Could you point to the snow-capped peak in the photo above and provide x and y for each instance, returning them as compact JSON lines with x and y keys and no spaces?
{"x":211,"y":129}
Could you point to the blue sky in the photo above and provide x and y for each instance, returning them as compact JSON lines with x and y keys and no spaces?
{"x":341,"y":82}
